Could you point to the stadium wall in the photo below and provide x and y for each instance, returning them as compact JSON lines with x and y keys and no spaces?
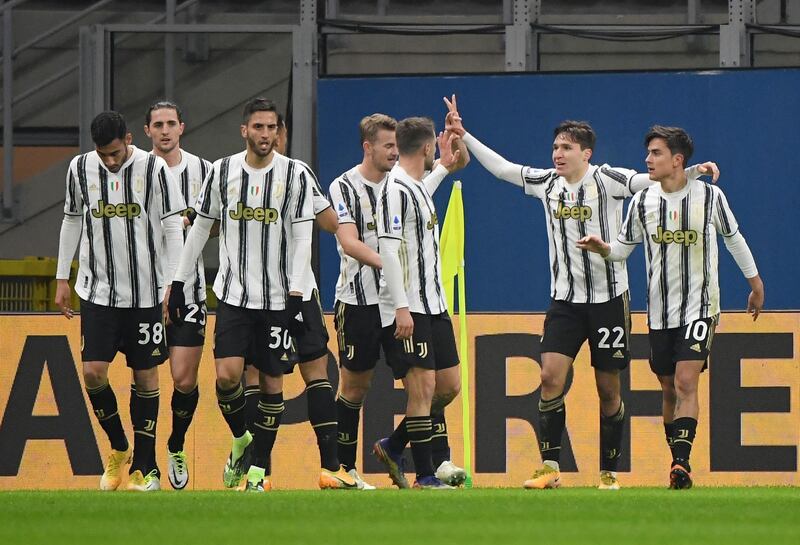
{"x":748,"y":433}
{"x":742,"y":119}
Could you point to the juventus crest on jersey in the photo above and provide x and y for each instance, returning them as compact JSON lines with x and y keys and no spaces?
{"x":679,"y":233}
{"x":190,"y":173}
{"x":592,"y":206}
{"x":256,"y":209}
{"x":120,"y":248}
{"x":356,"y":201}
{"x":406,"y":212}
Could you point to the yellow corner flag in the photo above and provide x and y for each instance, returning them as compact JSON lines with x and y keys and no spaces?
{"x":452,"y":250}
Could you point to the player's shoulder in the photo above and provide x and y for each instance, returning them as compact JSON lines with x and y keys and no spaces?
{"x":532,"y":175}
{"x":608,"y":173}
{"x":347,"y":178}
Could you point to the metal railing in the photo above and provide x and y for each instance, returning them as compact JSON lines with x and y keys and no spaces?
{"x":7,"y":206}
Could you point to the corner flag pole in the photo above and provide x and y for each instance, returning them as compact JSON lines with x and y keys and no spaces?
{"x":452,"y":249}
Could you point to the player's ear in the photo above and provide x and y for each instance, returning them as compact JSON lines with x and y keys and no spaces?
{"x":181,"y":128}
{"x":243,"y":130}
{"x":147,"y":131}
{"x":587,"y":154}
{"x":366,"y":146}
{"x":128,"y":139}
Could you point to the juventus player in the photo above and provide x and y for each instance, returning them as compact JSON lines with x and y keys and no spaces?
{"x":678,"y":222}
{"x":412,"y":304}
{"x":164,"y":126}
{"x":357,"y":319}
{"x":120,"y":202}
{"x":589,"y":295}
{"x":312,"y":350}
{"x":264,"y":202}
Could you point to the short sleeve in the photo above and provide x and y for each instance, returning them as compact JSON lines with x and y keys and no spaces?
{"x":619,"y":181}
{"x":168,"y":191}
{"x":722,"y":216}
{"x":391,"y":209}
{"x":302,"y":206}
{"x":208,"y":201}
{"x":73,"y":203}
{"x":342,"y":198}
{"x":632,"y":232}
{"x":536,"y":180}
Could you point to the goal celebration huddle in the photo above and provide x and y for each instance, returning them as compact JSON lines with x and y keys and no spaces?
{"x":140,"y":221}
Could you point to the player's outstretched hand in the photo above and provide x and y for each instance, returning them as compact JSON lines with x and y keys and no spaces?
{"x":593,"y":243}
{"x":176,"y":302}
{"x":64,"y":298}
{"x":404,"y":323}
{"x":452,"y":121}
{"x":709,"y":168}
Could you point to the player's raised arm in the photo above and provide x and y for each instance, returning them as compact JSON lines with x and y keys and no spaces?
{"x":453,"y":156}
{"x":638,"y":181}
{"x":490,"y":159}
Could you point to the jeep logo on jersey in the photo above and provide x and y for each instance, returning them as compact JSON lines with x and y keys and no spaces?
{"x":242,"y":212}
{"x":580,"y":213}
{"x":434,"y":221}
{"x":665,"y":236}
{"x":123,"y":210}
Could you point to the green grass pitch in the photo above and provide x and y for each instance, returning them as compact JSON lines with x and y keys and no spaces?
{"x":640,"y":516}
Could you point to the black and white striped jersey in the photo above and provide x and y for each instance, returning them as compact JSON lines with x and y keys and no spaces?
{"x":121,"y":253}
{"x":320,"y":203}
{"x":190,"y":173}
{"x":257,"y":210}
{"x":406,"y":212}
{"x":679,"y":231}
{"x":356,"y":201}
{"x":591,"y":206}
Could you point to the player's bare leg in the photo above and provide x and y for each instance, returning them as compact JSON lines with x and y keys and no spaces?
{"x":184,"y":362}
{"x":687,"y":377}
{"x":552,"y":419}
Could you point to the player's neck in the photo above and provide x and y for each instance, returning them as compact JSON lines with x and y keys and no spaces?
{"x":413,"y":165}
{"x":675,"y":182}
{"x":258,"y":162}
{"x":369,"y":172}
{"x":173,"y":157}
{"x":579,"y":176}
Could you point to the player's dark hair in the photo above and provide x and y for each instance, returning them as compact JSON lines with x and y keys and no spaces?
{"x":579,"y":132}
{"x":160,"y":105}
{"x":258,"y":104}
{"x":107,"y":127}
{"x":678,"y":140}
{"x":371,"y":124}
{"x":414,"y":132}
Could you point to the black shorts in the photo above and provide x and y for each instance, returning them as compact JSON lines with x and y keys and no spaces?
{"x":691,"y":342}
{"x":360,"y":335}
{"x":136,"y":332}
{"x":312,"y":344}
{"x":260,"y":336}
{"x":607,"y":326}
{"x":192,"y":332}
{"x":432,"y":346}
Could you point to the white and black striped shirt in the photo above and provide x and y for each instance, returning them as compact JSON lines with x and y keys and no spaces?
{"x":121,"y":242}
{"x":591,"y":206}
{"x":320,"y":203}
{"x":356,"y":201}
{"x":190,"y":173}
{"x":257,"y":209}
{"x":406,"y":212}
{"x":680,"y":235}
